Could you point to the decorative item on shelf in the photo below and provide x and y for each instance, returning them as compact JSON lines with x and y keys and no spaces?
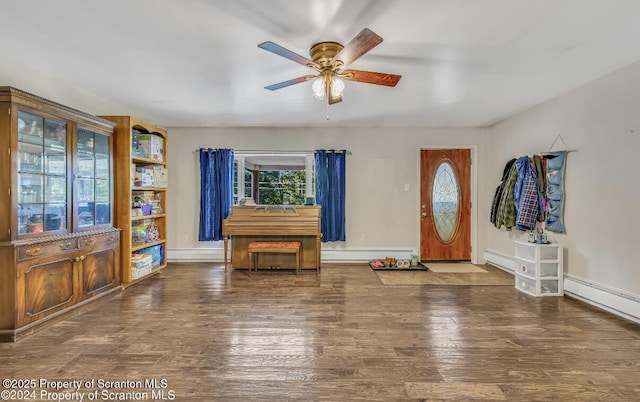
{"x":144,"y":177}
{"x":544,"y":238}
{"x":155,"y":207}
{"x":36,"y":224}
{"x":160,"y":177}
{"x":139,"y":234}
{"x":135,"y":145}
{"x":403,"y":263}
{"x":390,"y":262}
{"x":157,"y":255}
{"x":152,"y":232}
{"x":414,"y":260}
{"x":541,"y":237}
{"x":152,"y":146}
{"x":141,"y":264}
{"x":34,"y":129}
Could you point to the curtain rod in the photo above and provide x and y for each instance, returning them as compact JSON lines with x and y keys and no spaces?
{"x":243,"y":151}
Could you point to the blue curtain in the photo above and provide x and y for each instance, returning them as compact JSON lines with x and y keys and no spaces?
{"x":330,"y":193}
{"x":216,"y":191}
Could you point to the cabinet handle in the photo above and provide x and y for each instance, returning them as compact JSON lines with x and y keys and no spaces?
{"x":65,"y":246}
{"x":82,"y":258}
{"x":76,"y":259}
{"x":33,"y":251}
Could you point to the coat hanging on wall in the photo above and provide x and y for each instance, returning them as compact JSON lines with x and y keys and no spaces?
{"x":531,"y":191}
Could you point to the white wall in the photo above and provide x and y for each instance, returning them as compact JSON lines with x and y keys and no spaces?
{"x":383,"y":160}
{"x":602,"y":121}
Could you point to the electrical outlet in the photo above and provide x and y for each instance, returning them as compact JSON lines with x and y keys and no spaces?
{"x":406,"y":187}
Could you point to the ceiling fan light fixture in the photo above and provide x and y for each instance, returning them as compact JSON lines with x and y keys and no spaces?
{"x":337,"y":86}
{"x":335,"y":83}
{"x":317,"y":86}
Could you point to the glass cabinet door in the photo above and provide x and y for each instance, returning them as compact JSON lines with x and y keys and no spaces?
{"x":103,"y":182}
{"x":93,"y":180}
{"x":42,"y":172}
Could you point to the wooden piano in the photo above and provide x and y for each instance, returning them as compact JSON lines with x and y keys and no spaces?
{"x":273,"y":223}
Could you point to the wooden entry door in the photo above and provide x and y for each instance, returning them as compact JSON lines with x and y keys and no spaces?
{"x":445,"y":204}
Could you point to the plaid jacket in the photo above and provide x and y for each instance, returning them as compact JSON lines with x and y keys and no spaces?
{"x":528,"y":209}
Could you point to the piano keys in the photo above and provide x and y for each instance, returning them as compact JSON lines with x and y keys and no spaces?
{"x":273,"y":223}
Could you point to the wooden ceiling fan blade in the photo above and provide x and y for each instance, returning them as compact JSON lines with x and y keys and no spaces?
{"x":359,"y":45}
{"x":370,"y":77}
{"x":286,"y":53}
{"x":294,"y":81}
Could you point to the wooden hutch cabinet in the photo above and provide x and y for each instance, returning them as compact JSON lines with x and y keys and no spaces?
{"x":58,"y":247}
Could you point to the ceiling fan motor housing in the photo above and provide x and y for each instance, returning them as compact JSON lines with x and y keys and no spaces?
{"x":322,"y":53}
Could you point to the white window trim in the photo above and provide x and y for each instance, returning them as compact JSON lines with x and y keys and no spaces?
{"x":240,"y":157}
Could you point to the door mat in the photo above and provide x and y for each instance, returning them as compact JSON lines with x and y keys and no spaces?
{"x":376,"y":267}
{"x":495,"y":277}
{"x":453,"y":267}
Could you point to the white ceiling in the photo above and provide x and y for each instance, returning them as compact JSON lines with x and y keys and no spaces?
{"x":196,"y":62}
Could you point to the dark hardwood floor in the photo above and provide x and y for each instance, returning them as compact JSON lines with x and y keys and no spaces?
{"x":339,"y":337}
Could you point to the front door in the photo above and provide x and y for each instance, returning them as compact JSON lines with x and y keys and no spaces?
{"x":445,"y":204}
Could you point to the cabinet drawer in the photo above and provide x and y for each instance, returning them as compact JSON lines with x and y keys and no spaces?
{"x":525,"y":268}
{"x":527,"y":251}
{"x":98,"y":240}
{"x":550,"y":286}
{"x":537,"y":270}
{"x":38,"y":250}
{"x":526,"y":285}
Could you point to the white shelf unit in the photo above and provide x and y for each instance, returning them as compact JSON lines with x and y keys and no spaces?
{"x":538,"y":269}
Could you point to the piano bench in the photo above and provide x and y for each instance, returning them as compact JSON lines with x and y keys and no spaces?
{"x":288,"y":247}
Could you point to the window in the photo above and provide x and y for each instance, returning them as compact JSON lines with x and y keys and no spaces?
{"x":273,"y":178}
{"x":248,"y":183}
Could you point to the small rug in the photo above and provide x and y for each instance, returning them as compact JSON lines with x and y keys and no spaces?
{"x":453,"y":267}
{"x":493,"y":276}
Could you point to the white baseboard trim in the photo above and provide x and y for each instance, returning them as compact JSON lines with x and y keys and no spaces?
{"x":499,"y":260}
{"x":213,"y":254}
{"x":618,"y":302}
{"x":216,"y":254}
{"x":613,"y":300}
{"x":364,"y":255}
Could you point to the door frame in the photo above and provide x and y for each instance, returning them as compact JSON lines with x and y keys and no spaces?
{"x":474,"y":194}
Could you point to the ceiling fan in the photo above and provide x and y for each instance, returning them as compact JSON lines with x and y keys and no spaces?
{"x":329,"y":59}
